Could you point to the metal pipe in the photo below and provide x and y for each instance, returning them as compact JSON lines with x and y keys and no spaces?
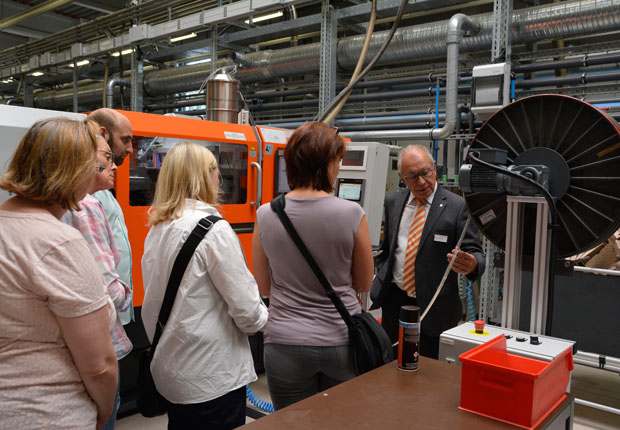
{"x":598,"y":358}
{"x":597,"y":271}
{"x":359,"y":123}
{"x":315,"y":90}
{"x":564,"y":64}
{"x":559,"y":20}
{"x":122,"y":83}
{"x":456,"y":26}
{"x":583,"y":79}
{"x":597,"y":406}
{"x":430,"y":78}
{"x":596,"y":365}
{"x":385,"y":95}
{"x":31,"y":12}
{"x":355,"y":116}
{"x":427,"y":40}
{"x":458,"y":23}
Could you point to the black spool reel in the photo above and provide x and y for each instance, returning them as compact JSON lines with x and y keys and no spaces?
{"x":581,"y":146}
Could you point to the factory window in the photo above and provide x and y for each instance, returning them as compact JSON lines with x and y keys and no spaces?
{"x":150,"y":152}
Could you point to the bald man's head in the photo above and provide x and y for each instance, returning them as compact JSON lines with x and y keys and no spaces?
{"x":116,"y":130}
{"x":417,"y":170}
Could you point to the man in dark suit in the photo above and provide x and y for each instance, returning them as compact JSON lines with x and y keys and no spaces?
{"x":439,"y":217}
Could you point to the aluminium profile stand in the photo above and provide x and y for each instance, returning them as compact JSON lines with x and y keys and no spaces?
{"x":513,"y":269}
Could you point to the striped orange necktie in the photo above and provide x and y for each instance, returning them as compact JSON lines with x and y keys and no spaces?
{"x":413,"y":243}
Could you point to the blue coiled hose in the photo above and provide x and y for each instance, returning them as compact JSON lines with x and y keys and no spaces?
{"x":469,"y":300}
{"x":257,"y":401}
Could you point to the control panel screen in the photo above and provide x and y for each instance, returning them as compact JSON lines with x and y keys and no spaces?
{"x":350,"y":190}
{"x":354,"y":158}
{"x":280,"y":181}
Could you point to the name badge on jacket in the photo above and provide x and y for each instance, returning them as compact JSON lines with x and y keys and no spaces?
{"x":441,"y":238}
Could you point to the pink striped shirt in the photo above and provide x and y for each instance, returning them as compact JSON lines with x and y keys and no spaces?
{"x":94,"y":226}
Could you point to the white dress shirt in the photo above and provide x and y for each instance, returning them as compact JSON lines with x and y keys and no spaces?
{"x":403,"y":235}
{"x":203,"y":352}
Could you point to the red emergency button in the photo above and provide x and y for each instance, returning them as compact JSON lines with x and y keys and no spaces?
{"x":479,"y":325}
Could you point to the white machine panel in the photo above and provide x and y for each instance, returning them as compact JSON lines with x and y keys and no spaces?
{"x":362,"y":179}
{"x":14,"y":122}
{"x":462,"y":338}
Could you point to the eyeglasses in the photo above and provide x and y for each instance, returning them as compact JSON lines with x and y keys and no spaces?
{"x":336,"y":130}
{"x":109,"y":156}
{"x":424,"y":174}
{"x":100,"y":167}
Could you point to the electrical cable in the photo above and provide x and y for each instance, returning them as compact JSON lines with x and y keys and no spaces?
{"x":257,"y":401}
{"x":370,"y":65}
{"x":469,"y":300}
{"x":215,"y":72}
{"x":553,"y":226}
{"x":447,"y":272}
{"x":360,"y":63}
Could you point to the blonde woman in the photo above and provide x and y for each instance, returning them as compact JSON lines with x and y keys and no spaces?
{"x":57,"y":364}
{"x":203,"y":359}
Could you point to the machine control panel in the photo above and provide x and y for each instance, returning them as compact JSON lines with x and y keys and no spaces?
{"x":351,"y":189}
{"x":362,"y":179}
{"x":466,"y":336}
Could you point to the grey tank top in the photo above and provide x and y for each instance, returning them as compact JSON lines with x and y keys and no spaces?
{"x":300,"y":313}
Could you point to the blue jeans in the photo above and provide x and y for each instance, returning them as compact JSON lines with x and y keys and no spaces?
{"x":109,"y":425}
{"x":295,"y":372}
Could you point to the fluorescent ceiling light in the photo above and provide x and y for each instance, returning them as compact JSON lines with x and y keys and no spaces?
{"x":80,"y":63}
{"x":179,"y":38}
{"x":37,"y":74}
{"x":125,"y":52}
{"x":204,"y":60}
{"x":265,"y":17}
{"x":7,"y":81}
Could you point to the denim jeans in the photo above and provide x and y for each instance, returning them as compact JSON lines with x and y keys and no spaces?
{"x":295,"y":372}
{"x":109,"y":425}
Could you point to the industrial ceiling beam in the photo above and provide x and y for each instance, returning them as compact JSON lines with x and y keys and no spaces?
{"x":25,"y":32}
{"x":87,"y":4}
{"x":32,"y":12}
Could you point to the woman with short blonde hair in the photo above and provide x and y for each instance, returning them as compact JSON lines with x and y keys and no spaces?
{"x":58,"y":365}
{"x":203,"y":360}
{"x":187,"y":176}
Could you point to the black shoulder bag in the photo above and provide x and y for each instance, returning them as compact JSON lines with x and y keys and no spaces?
{"x":150,"y":403}
{"x":371,"y":345}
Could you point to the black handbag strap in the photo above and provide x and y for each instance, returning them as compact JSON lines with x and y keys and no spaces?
{"x":277,"y":205}
{"x":178,"y":270}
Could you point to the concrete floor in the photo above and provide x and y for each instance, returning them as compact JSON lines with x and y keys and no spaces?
{"x":588,"y":383}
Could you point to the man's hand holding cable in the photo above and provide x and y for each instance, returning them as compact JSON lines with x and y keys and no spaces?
{"x":465,"y":262}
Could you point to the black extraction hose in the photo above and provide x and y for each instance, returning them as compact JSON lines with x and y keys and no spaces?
{"x":471,"y":155}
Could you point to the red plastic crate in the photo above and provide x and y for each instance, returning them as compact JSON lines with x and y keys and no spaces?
{"x":510,"y":388}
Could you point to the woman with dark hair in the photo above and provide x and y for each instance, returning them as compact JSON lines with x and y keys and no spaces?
{"x":57,"y":364}
{"x":307,"y":346}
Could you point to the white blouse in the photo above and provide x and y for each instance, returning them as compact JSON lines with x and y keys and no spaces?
{"x":203,"y":352}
